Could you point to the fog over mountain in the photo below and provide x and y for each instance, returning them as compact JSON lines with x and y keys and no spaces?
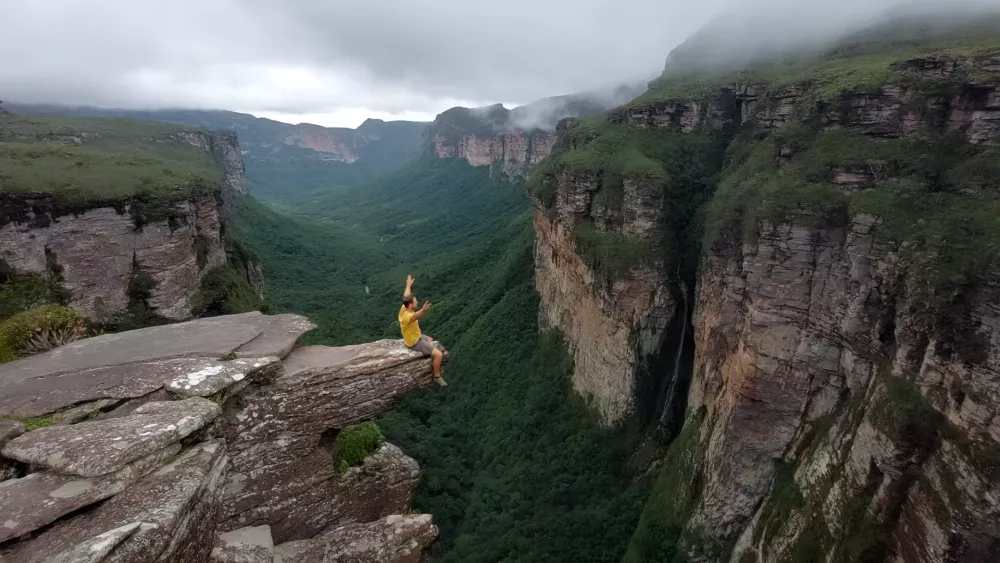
{"x":339,"y":62}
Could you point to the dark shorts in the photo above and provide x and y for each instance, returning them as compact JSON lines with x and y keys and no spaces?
{"x":425,"y":345}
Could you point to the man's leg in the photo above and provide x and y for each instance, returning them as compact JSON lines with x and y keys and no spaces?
{"x":436,"y":357}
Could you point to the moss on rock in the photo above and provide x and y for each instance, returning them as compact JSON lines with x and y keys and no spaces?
{"x":355,"y":443}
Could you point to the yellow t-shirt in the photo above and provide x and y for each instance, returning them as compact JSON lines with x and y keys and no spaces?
{"x":409,"y":326}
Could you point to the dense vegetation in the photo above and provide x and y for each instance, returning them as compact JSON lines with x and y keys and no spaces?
{"x":514,"y":467}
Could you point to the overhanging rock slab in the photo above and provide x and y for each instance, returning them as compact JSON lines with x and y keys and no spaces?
{"x":100,"y":447}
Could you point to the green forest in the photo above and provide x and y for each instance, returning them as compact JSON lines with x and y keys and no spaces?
{"x":514,"y":466}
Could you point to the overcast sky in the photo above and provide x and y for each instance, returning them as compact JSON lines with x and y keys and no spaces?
{"x":337,"y":62}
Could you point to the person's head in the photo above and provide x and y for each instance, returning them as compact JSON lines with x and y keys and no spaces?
{"x":410,"y":303}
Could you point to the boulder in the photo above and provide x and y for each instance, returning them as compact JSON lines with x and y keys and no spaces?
{"x":309,"y":498}
{"x":40,"y":498}
{"x":100,"y":447}
{"x":138,"y":362}
{"x":167,"y":516}
{"x":246,"y":545}
{"x":394,"y":539}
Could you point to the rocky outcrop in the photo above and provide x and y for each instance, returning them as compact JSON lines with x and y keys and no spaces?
{"x":183,"y":477}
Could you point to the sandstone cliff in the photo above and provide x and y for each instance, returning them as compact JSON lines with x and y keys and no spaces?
{"x":145,"y":446}
{"x":842,"y":399}
{"x":103,"y":222}
{"x":512,"y":140}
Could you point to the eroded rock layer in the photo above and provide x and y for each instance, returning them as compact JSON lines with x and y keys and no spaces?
{"x":842,"y":405}
{"x":201,"y":458}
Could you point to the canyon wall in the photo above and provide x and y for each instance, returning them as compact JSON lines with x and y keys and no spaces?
{"x":513,"y":151}
{"x":97,"y":253}
{"x":513,"y":140}
{"x":101,"y":249}
{"x":842,"y":405}
{"x":611,"y":322}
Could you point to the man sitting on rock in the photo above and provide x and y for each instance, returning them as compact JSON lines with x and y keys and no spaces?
{"x":412,"y":337}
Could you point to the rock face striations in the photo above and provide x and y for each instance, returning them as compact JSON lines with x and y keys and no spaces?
{"x":112,"y":228}
{"x":843,"y":400}
{"x":145,"y":446}
{"x":512,"y":140}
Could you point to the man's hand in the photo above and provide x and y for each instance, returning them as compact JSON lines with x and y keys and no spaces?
{"x":427,"y":305}
{"x":409,"y":284}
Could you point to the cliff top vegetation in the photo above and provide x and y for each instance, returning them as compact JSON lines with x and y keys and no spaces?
{"x":82,"y":161}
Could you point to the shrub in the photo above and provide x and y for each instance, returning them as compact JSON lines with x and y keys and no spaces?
{"x":21,"y":292}
{"x":39,"y":330}
{"x":355,"y":443}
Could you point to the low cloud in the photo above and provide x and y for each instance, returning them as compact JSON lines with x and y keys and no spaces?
{"x":391,"y":57}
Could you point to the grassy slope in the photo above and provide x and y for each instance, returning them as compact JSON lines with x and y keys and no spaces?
{"x":514,"y":467}
{"x":279,"y":173}
{"x":82,"y":160}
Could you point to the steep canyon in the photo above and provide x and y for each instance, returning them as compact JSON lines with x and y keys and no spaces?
{"x":842,"y":399}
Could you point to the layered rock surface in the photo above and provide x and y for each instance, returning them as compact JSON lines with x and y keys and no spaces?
{"x":111,"y":244}
{"x":513,"y":151}
{"x":512,"y":140}
{"x":98,"y":251}
{"x":252,"y":462}
{"x":837,"y":416}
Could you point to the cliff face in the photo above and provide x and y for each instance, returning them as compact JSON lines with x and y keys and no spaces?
{"x":144,"y":446}
{"x":103,"y":242}
{"x":96,"y":253}
{"x":611,"y":323}
{"x":817,"y":356}
{"x":842,"y":405}
{"x":513,"y":140}
{"x":513,"y":151}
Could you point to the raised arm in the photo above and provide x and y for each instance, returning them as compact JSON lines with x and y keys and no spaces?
{"x":409,"y":287}
{"x":424,"y":309}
